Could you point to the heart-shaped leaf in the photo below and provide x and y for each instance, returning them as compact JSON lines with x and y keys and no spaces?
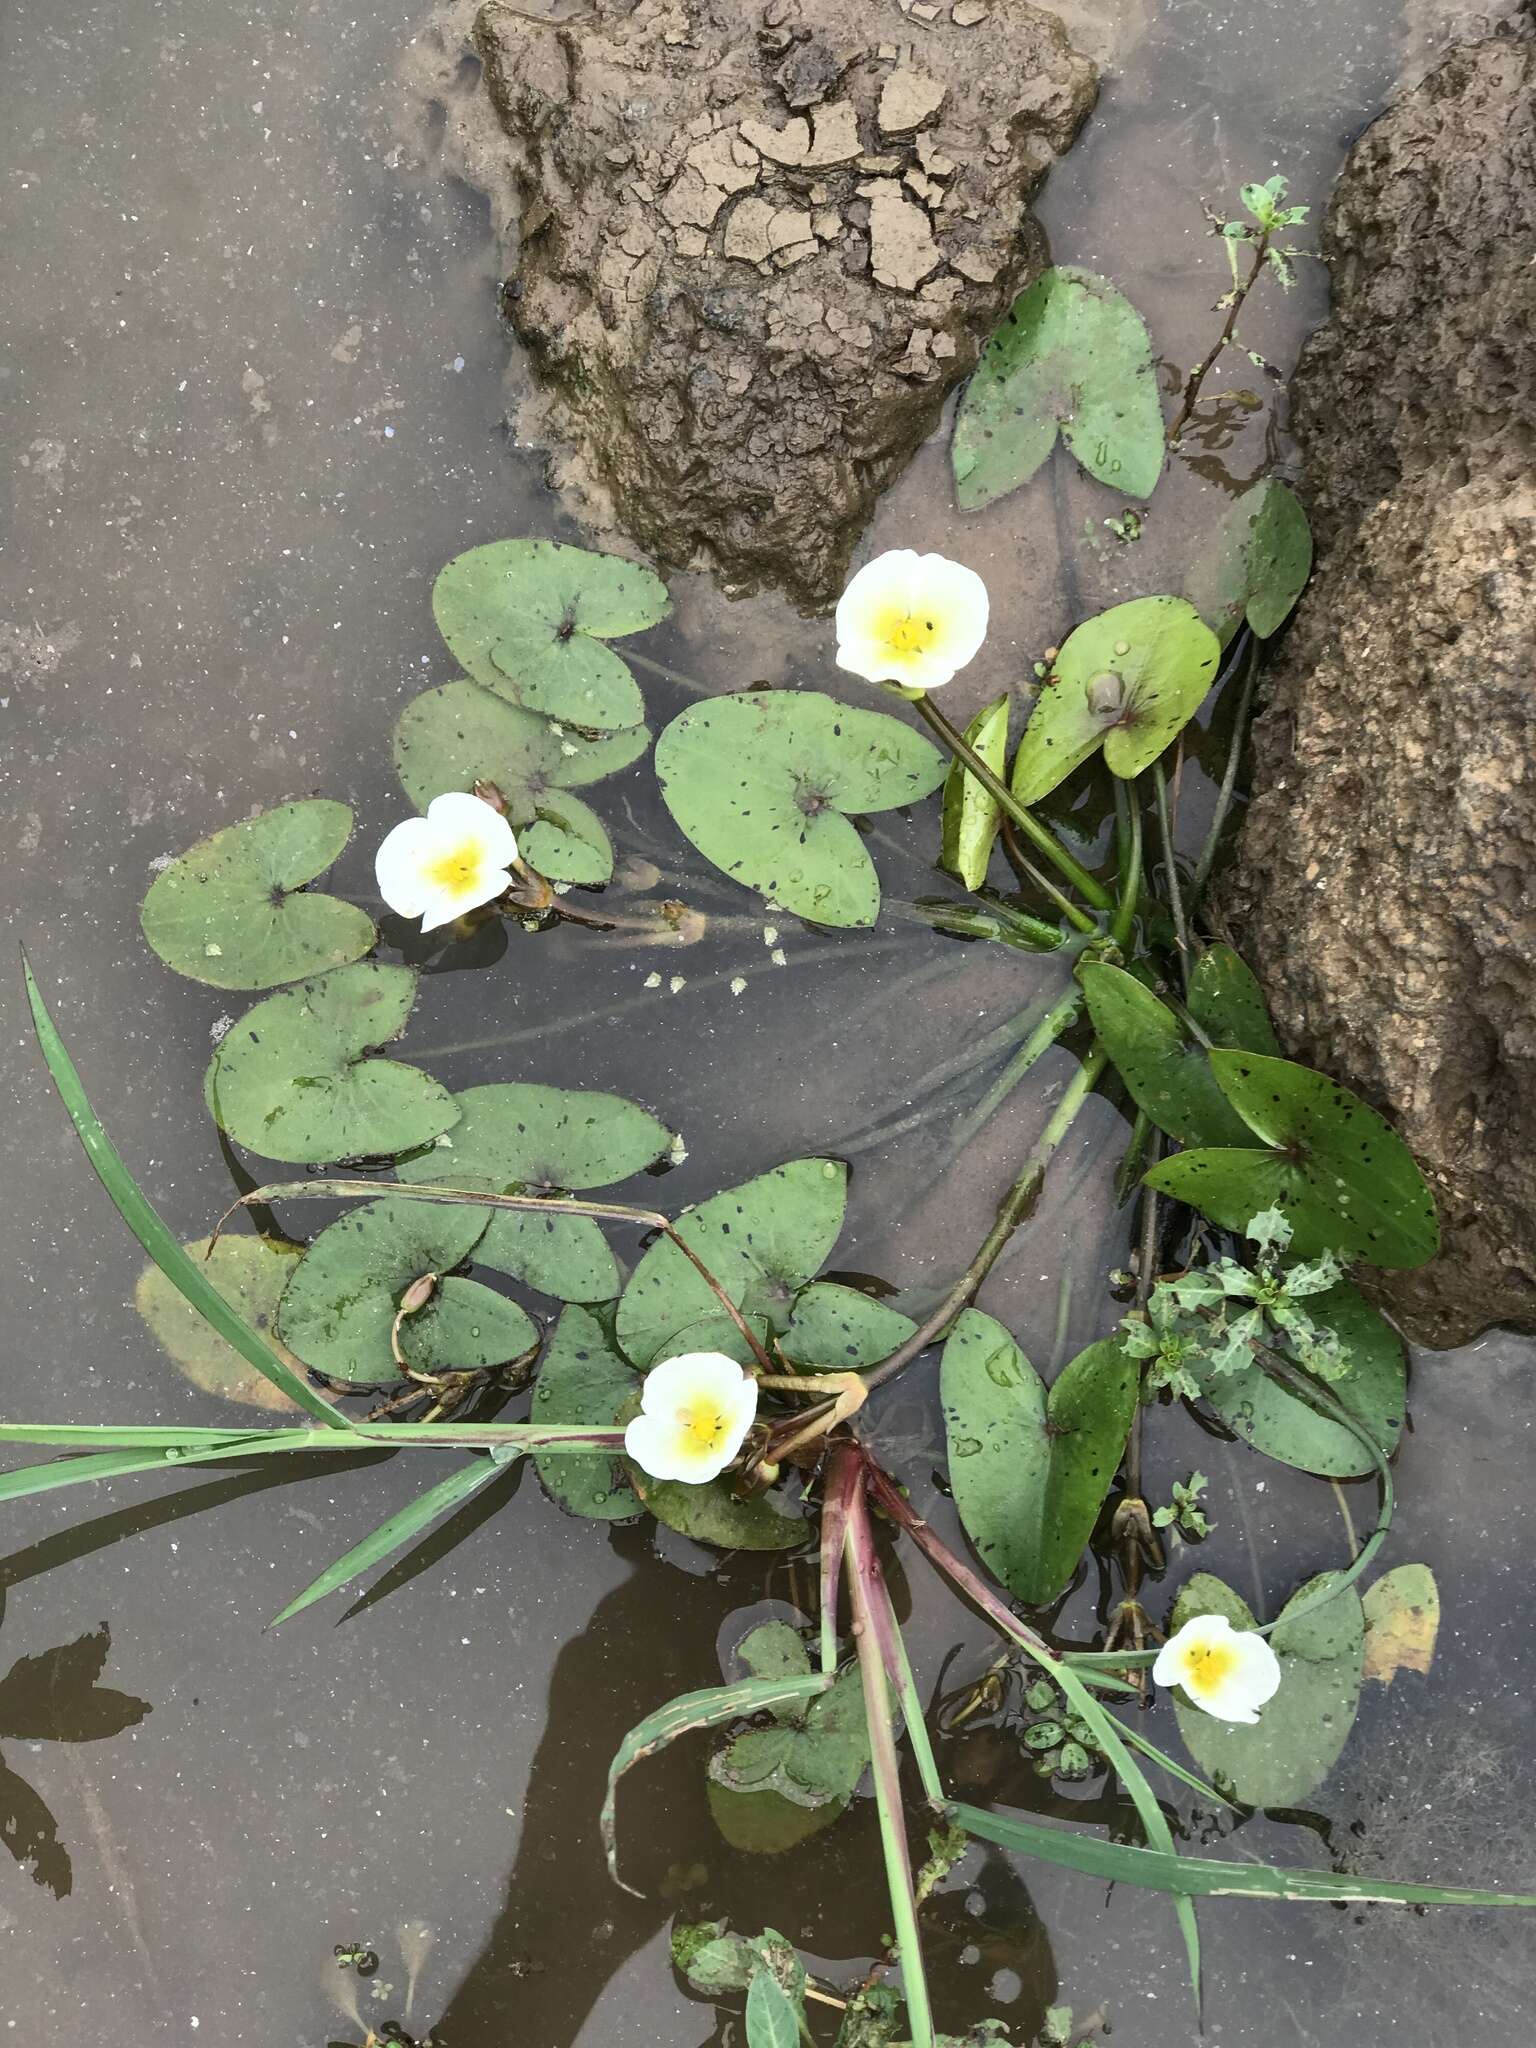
{"x":810,"y":1764}
{"x":340,"y":1306}
{"x":530,"y":619}
{"x":251,"y":1273}
{"x":1283,"y":1426}
{"x":1343,"y":1178}
{"x":1129,"y":681}
{"x":972,"y":815}
{"x":1073,"y":355}
{"x":1165,"y":1073}
{"x":762,"y":784}
{"x":515,"y":1139}
{"x":1255,"y":564}
{"x":1302,"y":1731}
{"x":453,"y":737}
{"x":1227,"y":1003}
{"x":294,"y":1079}
{"x":582,"y":1379}
{"x":234,"y":912}
{"x":711,"y":1513}
{"x":1030,"y":1470}
{"x":762,"y":1241}
{"x":838,"y":1329}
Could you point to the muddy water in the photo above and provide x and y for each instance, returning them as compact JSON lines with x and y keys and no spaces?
{"x":253,"y":389}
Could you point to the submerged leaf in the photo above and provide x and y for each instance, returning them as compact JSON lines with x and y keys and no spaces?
{"x":1073,"y":355}
{"x":762,"y":1241}
{"x":340,"y":1306}
{"x":582,"y":1379}
{"x":972,"y":815}
{"x":1166,"y":1074}
{"x":1030,"y":1471}
{"x":1255,"y":564}
{"x":1402,"y":1620}
{"x":1129,"y":681}
{"x":763,"y":782}
{"x":1342,"y":1177}
{"x":771,"y":2018}
{"x":233,"y":910}
{"x":294,"y":1079}
{"x":530,"y":618}
{"x":1283,"y":1426}
{"x":771,"y":1788}
{"x":250,"y":1273}
{"x":1302,"y":1731}
{"x":512,"y":1138}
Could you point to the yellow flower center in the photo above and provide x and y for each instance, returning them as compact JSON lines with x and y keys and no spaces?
{"x":903,"y":632}
{"x":1208,"y":1665}
{"x":704,"y":1423}
{"x":457,"y":869}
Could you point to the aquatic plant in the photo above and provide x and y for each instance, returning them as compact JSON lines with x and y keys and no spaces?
{"x":716,"y":1384}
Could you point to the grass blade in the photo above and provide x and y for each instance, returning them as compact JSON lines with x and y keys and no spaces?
{"x":398,"y":1529}
{"x":56,"y":1472}
{"x":690,"y":1710}
{"x":108,"y":1436}
{"x":1200,"y":1876}
{"x":162,"y":1245}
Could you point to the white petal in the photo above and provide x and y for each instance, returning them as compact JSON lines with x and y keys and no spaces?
{"x":959,"y":600}
{"x":888,"y":576}
{"x":654,"y":1444}
{"x":398,"y":867}
{"x":1167,"y":1669}
{"x":457,"y":816}
{"x":679,"y":1379}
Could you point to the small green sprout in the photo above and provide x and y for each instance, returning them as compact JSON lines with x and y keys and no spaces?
{"x":1185,"y":1513}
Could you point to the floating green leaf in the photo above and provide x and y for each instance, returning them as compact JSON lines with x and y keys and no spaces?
{"x":1343,"y":1178}
{"x":772,"y":1788}
{"x":772,"y":2021}
{"x":838,"y":1329}
{"x":250,"y":1273}
{"x":1302,"y":1731}
{"x":712,"y":1514}
{"x":530,"y":619}
{"x":1227,"y":1003}
{"x":763,"y":783}
{"x":453,"y":737}
{"x":1128,"y":681}
{"x":515,"y":1139}
{"x":1402,"y":1620}
{"x":233,"y":910}
{"x":582,"y":1378}
{"x":1029,"y":1470}
{"x":762,"y":1241}
{"x":340,"y":1306}
{"x":1255,"y":564}
{"x":294,"y":1079}
{"x":1283,"y":1426}
{"x":1166,"y":1074}
{"x":715,"y":1961}
{"x":972,"y":815}
{"x":1073,"y":355}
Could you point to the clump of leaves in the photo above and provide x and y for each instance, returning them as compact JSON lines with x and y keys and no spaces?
{"x":1185,"y":1512}
{"x":1061,"y":1743}
{"x":1268,"y":217}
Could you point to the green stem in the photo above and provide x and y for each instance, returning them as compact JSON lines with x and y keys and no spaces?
{"x":1040,"y":836}
{"x":1224,"y":795}
{"x":917,"y":1727}
{"x":1171,"y":870}
{"x":1128,"y":831}
{"x":1053,"y":1025}
{"x":1012,"y":1210}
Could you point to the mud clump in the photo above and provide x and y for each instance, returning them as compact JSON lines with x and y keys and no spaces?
{"x":753,"y":246}
{"x":1383,"y":887}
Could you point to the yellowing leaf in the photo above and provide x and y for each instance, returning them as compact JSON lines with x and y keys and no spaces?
{"x":1402,"y":1620}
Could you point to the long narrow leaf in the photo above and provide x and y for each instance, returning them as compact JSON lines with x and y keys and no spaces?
{"x":845,"y":1475}
{"x":57,"y":1472}
{"x":1203,"y":1877}
{"x":691,"y":1710}
{"x":160,"y":1242}
{"x":399,"y":1529}
{"x":109,"y":1436}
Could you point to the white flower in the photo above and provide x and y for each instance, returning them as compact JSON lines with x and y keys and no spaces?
{"x":695,"y":1411}
{"x":911,"y":619}
{"x":452,"y":860}
{"x":1225,"y":1671}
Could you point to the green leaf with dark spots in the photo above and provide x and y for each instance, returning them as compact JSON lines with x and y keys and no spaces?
{"x":530,"y":619}
{"x":1072,"y":356}
{"x":762,"y":1241}
{"x":513,"y":1138}
{"x":1129,"y":681}
{"x":1165,"y":1073}
{"x":972,"y":815}
{"x":582,"y":1379}
{"x":838,"y":1329}
{"x":234,"y":912}
{"x":1302,"y":1731}
{"x":1256,"y":563}
{"x":711,"y":1513}
{"x":764,"y":783}
{"x":295,"y":1078}
{"x":1227,"y":1003}
{"x":340,"y":1305}
{"x":1030,"y":1470}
